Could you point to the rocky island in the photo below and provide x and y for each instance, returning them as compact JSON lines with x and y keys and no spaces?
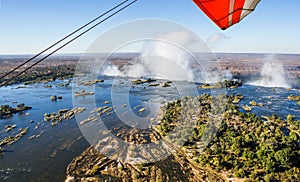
{"x":8,"y":111}
{"x":245,"y":147}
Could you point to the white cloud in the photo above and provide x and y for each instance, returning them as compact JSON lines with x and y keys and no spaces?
{"x":217,"y":38}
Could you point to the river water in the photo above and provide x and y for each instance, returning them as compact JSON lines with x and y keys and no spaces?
{"x":46,"y":158}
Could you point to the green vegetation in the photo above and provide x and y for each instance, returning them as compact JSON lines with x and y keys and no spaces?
{"x":245,"y":145}
{"x":142,"y":81}
{"x":294,"y":98}
{"x":223,"y":84}
{"x":8,"y":111}
{"x":44,"y":74}
{"x":223,"y":143}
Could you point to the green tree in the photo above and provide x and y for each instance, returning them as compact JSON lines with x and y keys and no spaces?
{"x":293,"y":136}
{"x":270,"y":166}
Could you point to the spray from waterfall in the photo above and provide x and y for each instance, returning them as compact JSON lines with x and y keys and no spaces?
{"x":169,"y":60}
{"x":272,"y":74}
{"x":159,"y":59}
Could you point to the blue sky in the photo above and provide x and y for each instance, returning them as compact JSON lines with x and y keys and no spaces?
{"x":29,"y":26}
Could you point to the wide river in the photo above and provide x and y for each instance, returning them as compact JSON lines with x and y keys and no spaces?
{"x":45,"y":158}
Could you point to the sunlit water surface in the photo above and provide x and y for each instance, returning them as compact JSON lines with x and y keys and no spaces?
{"x":46,"y":158}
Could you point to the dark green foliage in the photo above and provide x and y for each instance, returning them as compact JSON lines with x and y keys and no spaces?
{"x":245,"y":145}
{"x":48,"y":73}
{"x":7,"y":111}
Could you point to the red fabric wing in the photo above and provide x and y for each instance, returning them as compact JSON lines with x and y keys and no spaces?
{"x":220,"y":12}
{"x":238,"y":8}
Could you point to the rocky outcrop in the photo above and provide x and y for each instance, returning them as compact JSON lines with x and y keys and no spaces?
{"x":8,"y":111}
{"x":61,"y":115}
{"x":92,"y":166}
{"x":224,"y":84}
{"x":83,"y":93}
{"x":12,"y":139}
